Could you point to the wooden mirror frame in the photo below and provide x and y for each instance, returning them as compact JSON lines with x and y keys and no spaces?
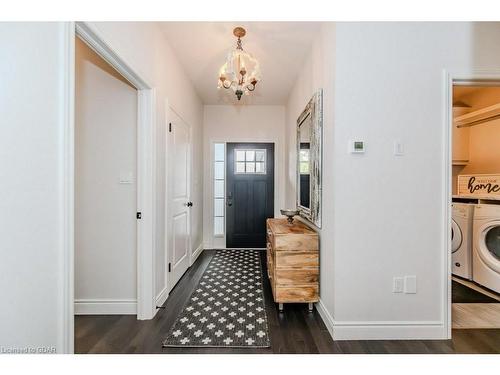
{"x":314,"y":109}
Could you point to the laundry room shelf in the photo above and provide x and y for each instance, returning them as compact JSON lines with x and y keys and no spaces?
{"x":476,"y":199}
{"x":478,"y":117}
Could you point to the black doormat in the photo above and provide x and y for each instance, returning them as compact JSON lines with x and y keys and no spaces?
{"x":463,"y":294}
{"x":227,"y":307}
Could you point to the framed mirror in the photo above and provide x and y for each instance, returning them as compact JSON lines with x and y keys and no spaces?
{"x":309,"y":155}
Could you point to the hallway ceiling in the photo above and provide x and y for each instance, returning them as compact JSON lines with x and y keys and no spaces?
{"x":280,"y":47}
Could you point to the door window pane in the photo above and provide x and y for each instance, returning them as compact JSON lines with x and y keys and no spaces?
{"x":240,"y":167}
{"x":240,"y":155}
{"x":250,"y":168}
{"x":259,"y":168}
{"x":260,"y":155}
{"x":250,"y":161}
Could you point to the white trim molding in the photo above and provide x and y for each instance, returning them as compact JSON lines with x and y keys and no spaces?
{"x":326,"y":316}
{"x":146,"y":161}
{"x":67,"y":155}
{"x":105,"y":307}
{"x":162,"y":297}
{"x":381,"y":330}
{"x":463,"y":78}
{"x":195,"y":254}
{"x":389,"y":330}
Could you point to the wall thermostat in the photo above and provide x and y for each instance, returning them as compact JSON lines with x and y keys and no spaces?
{"x":357,"y":147}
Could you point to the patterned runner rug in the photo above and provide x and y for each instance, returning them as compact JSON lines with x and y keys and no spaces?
{"x":227,"y":307}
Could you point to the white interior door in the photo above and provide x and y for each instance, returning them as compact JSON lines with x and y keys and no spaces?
{"x":179,"y":173}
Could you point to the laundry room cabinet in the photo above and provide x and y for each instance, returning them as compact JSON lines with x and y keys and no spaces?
{"x":292,"y":262}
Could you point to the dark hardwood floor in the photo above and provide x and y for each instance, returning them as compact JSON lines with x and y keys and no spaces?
{"x":294,"y":331}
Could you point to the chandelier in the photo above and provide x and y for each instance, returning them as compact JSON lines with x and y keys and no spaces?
{"x":234,"y":74}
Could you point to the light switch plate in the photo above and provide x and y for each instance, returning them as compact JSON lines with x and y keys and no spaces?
{"x":410,"y":284}
{"x":399,"y":149}
{"x":126,"y":177}
{"x":397,"y":285}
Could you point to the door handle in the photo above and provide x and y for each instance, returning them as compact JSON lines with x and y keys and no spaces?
{"x":188,"y":204}
{"x":230,"y":199}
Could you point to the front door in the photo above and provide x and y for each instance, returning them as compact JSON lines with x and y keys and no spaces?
{"x":249,"y":193}
{"x":179,"y":159}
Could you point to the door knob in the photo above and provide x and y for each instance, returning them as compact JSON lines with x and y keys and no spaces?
{"x":189,"y":204}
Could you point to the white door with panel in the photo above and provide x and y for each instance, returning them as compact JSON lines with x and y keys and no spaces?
{"x":179,"y":204}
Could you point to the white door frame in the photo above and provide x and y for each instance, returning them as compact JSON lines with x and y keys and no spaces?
{"x":220,"y":242}
{"x":453,"y":78}
{"x":146,"y":160}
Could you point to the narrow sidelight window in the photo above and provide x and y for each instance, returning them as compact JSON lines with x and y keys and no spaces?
{"x":219,"y":188}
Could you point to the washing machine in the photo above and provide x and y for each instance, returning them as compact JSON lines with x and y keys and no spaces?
{"x":461,"y":239}
{"x":486,"y":246}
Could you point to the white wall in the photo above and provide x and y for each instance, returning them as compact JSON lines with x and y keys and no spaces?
{"x":33,"y":110}
{"x":105,"y":208}
{"x":241,"y":123}
{"x":388,"y":217}
{"x":144,"y":46}
{"x":317,"y":73}
{"x":383,"y":216}
{"x":31,"y":194}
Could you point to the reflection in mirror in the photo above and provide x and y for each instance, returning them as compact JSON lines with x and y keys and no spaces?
{"x":309,"y":141}
{"x":304,"y":163}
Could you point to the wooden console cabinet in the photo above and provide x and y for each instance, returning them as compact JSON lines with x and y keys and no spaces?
{"x":292,"y":262}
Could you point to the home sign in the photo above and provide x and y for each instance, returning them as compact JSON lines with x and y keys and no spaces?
{"x":479,"y":184}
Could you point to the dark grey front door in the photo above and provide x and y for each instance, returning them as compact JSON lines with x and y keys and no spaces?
{"x":249,"y":193}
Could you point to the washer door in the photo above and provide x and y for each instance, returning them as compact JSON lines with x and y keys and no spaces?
{"x":456,"y":236}
{"x":489,"y":245}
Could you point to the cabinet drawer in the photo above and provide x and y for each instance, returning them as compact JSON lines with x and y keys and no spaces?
{"x":293,"y":294}
{"x":296,"y":242}
{"x":297,"y":259}
{"x":296,"y":276}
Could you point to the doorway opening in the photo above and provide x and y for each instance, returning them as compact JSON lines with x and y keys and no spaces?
{"x":145,"y":159}
{"x":475,"y":204}
{"x":105,"y":187}
{"x":249,"y":193}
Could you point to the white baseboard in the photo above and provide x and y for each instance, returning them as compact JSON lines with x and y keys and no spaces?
{"x":105,"y":307}
{"x":326,"y":316}
{"x":381,"y":330}
{"x":162,"y":296}
{"x":388,"y":330}
{"x":196,"y":254}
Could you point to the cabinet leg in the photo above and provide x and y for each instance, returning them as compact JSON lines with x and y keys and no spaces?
{"x":310,"y":306}
{"x":280,"y":307}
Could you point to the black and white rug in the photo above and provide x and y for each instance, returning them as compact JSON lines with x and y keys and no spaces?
{"x":227,"y":307}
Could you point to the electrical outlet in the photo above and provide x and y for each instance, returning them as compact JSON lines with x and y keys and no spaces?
{"x":397,"y":285}
{"x":410,"y":284}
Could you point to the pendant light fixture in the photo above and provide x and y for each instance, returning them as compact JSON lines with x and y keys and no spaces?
{"x":241,"y":71}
